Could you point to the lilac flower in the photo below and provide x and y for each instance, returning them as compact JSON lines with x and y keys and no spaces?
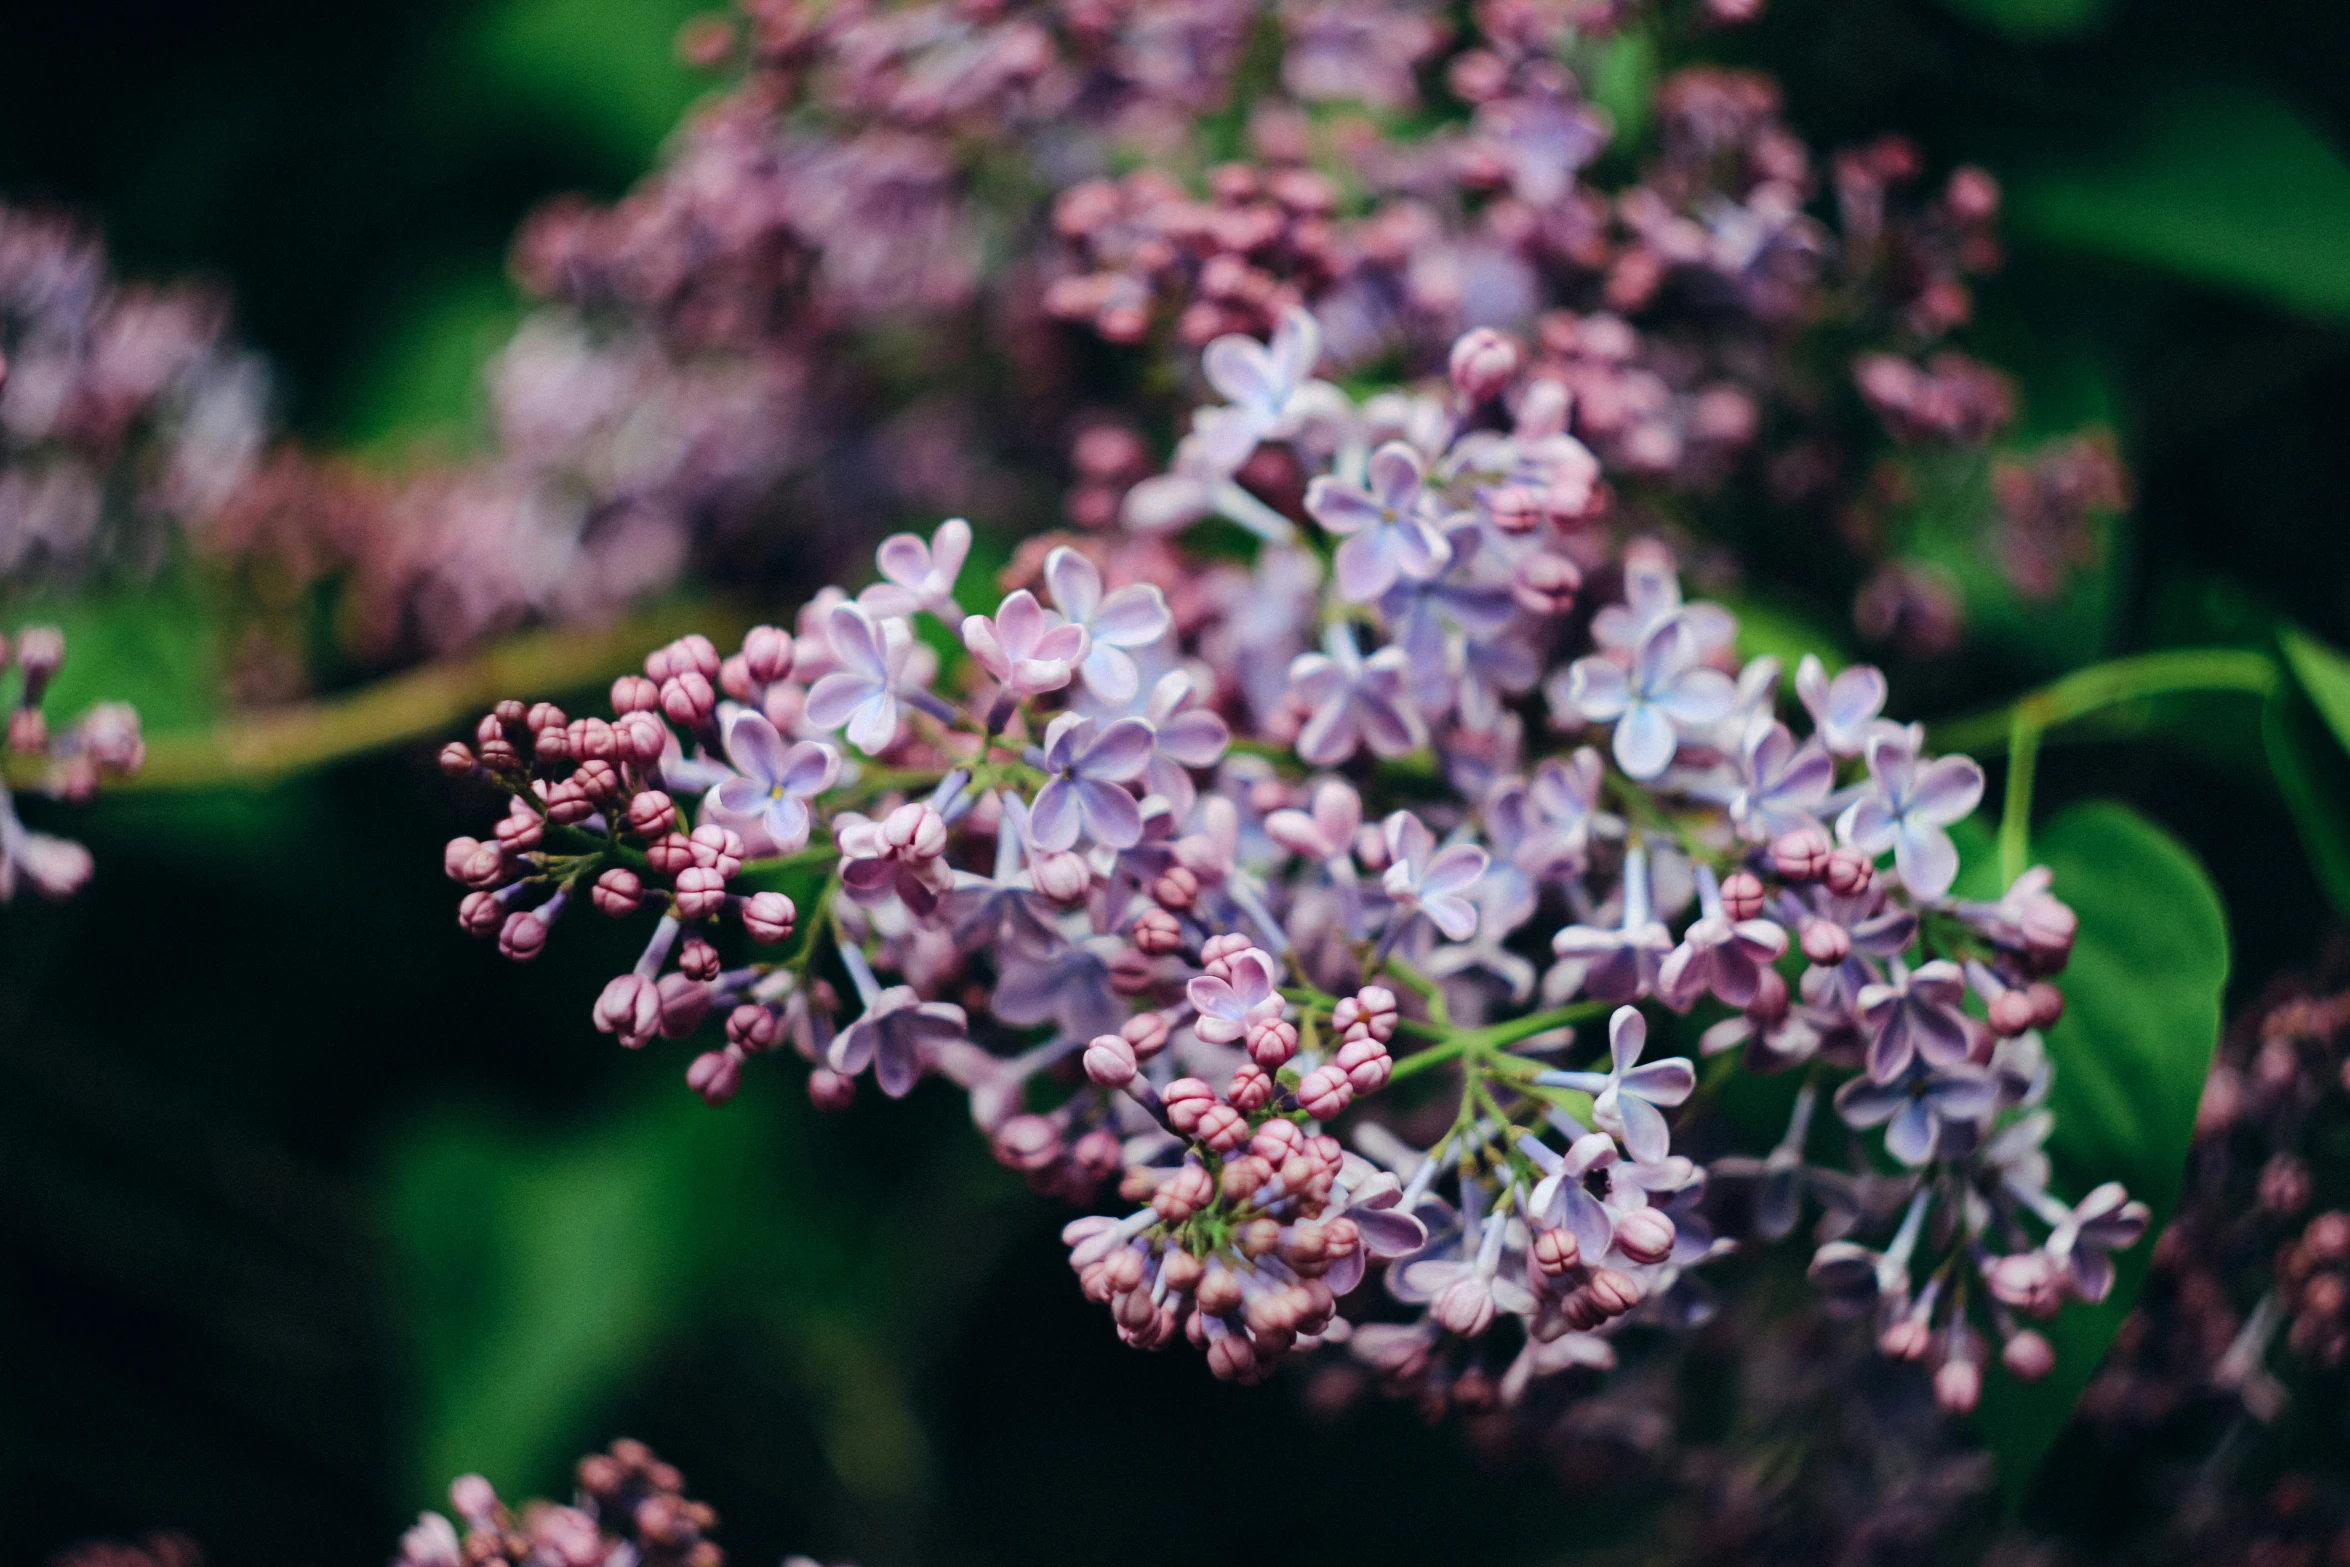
{"x":1911,"y":805}
{"x":1844,"y":710}
{"x":981,"y":910}
{"x":1667,"y":689}
{"x":1626,"y":1098}
{"x":1372,"y":1199}
{"x":1560,"y":1200}
{"x":1184,"y":735}
{"x":1551,"y":817}
{"x":1389,"y":533}
{"x":897,"y":1036}
{"x":1916,"y":1016}
{"x":1068,"y":985}
{"x":1719,"y":954}
{"x":920,"y":576}
{"x":1927,"y":1112}
{"x":1084,"y":794}
{"x":1328,"y":833}
{"x":1434,"y":881}
{"x":1023,"y":648}
{"x":1263,"y":382}
{"x":2081,"y":1246}
{"x":1622,"y":963}
{"x":1353,"y":702}
{"x":1781,"y":786}
{"x":1652,"y":596}
{"x":776,"y":782}
{"x":862,"y":693}
{"x":1227,"y":1007}
{"x":1134,"y":616}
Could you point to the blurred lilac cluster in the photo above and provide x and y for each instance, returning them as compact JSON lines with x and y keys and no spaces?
{"x":631,"y":1510}
{"x":1168,"y":883}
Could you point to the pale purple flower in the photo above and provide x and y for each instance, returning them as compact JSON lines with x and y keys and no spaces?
{"x":1134,"y":616}
{"x":1781,"y":786}
{"x":1184,"y":735}
{"x":1925,"y":1111}
{"x":1353,"y":702}
{"x":1069,"y":985}
{"x":1328,"y":832}
{"x":1916,"y":1016}
{"x":1434,"y":881}
{"x":897,"y":1036}
{"x":1228,"y":1006}
{"x":919,"y":576}
{"x":862,"y":692}
{"x":1629,"y":1099}
{"x":1085,"y":793}
{"x":2104,"y":1222}
{"x":1023,"y":647}
{"x":1652,"y":596}
{"x":1666,"y":690}
{"x":1912,"y":803}
{"x":1549,"y":819}
{"x":1560,"y":1200}
{"x":1372,"y":1198}
{"x":776,"y":782}
{"x":1263,"y":381}
{"x":1844,"y":710}
{"x":1389,"y":533}
{"x":980,"y":910}
{"x":1719,"y":954}
{"x":1622,"y":963}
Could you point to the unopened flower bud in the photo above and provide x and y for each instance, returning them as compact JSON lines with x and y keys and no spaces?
{"x":1742,"y":895}
{"x":1251,"y":1088}
{"x":697,"y":959}
{"x":1027,"y":1142}
{"x":2012,"y":1012}
{"x":523,"y":936}
{"x":630,"y":1007}
{"x":1908,"y":1339}
{"x":716,"y":1074}
{"x":769,"y":917}
{"x":1848,"y":873}
{"x":754,"y":1027}
{"x":1062,"y":876}
{"x":1825,"y":942}
{"x":1483,"y":361}
{"x":830,"y":1091}
{"x":670,"y":853}
{"x":1465,"y":1306}
{"x":1222,"y":1127}
{"x":1157,"y":933}
{"x":1366,"y":1064}
{"x":1958,"y":1386}
{"x":480,"y":914}
{"x":651,"y":814}
{"x":1546,"y":584}
{"x":1109,"y":1061}
{"x":767,"y":653}
{"x":1186,"y":1098}
{"x":1770,"y":998}
{"x":1514,"y":509}
{"x":701,"y":892}
{"x":1178,"y":889}
{"x":1612,"y":1293}
{"x":1645,"y":1235}
{"x":618,"y":892}
{"x":594,"y":740}
{"x":718,"y":848}
{"x":1801,"y":855}
{"x":1217,"y":953}
{"x":599,"y":781}
{"x":1325,"y":1092}
{"x":568,"y":804}
{"x":635,"y":694}
{"x":486,"y":867}
{"x":1271,"y":1042}
{"x":2047,"y":1003}
{"x":1373,"y":1006}
{"x":641,"y":738}
{"x":1180,"y":1270}
{"x":458,"y":857}
{"x":1556,"y":1252}
{"x":1183,"y":1194}
{"x":457,"y":759}
{"x":2028,"y":1357}
{"x":1122,"y":1271}
{"x":1147,"y":1032}
{"x":688,"y":699}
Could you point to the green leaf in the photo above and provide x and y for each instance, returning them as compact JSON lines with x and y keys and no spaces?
{"x":2221,"y":185}
{"x":2032,"y":20}
{"x":1772,"y":627}
{"x":606,"y":69}
{"x":2305,"y":730}
{"x":2142,"y":1016}
{"x":154,"y":645}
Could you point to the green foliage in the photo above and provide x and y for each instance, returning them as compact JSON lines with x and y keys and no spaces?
{"x":2306,"y":731}
{"x":2035,"y":20}
{"x":605,"y":69}
{"x":1773,"y":627}
{"x":2142,"y":1016}
{"x":2222,"y":185}
{"x":154,"y":645}
{"x":423,"y":385}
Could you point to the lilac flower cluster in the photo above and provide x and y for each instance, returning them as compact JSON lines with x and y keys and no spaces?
{"x":631,"y":1509}
{"x":66,"y":764}
{"x":1167,"y":883}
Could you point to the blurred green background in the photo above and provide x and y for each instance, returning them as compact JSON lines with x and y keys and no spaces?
{"x":307,"y":1201}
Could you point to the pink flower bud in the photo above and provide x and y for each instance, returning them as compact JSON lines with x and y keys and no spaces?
{"x":1365,"y":1063}
{"x":1742,"y":895}
{"x":670,"y":853}
{"x":1178,"y":889}
{"x":630,"y":1007}
{"x":701,"y":892}
{"x":1556,"y":1252}
{"x":475,"y":1500}
{"x":1278,"y":1140}
{"x":551,"y":744}
{"x":696,"y":652}
{"x":1183,"y":1194}
{"x":522,"y":937}
{"x":697,"y":959}
{"x":1147,"y":1032}
{"x":2047,"y":1003}
{"x":716,"y":1074}
{"x":1217,"y":953}
{"x":1514,"y":509}
{"x":480,"y":914}
{"x":1465,"y":1306}
{"x":2027,"y":1281}
{"x":769,"y":917}
{"x":1122,"y":1271}
{"x":1848,"y":873}
{"x":456,"y":759}
{"x":1770,"y":998}
{"x":1483,"y":361}
{"x":1251,"y":1088}
{"x":651,"y":814}
{"x":2012,"y":1012}
{"x":2028,"y":1357}
{"x":458,"y":856}
{"x":1222,"y":1127}
{"x":915,"y":832}
{"x":754,"y":1027}
{"x":718,"y":848}
{"x":1109,"y":1061}
{"x":1271,"y":1042}
{"x":642,"y":738}
{"x":767,"y":654}
{"x":1157,"y":933}
{"x":684,"y":1003}
{"x":1958,"y":1386}
{"x":688,"y":699}
{"x":1825,"y":942}
{"x":829,"y":1091}
{"x":1325,"y":1092}
{"x":1645,"y":1235}
{"x":1186,"y":1099}
{"x":1063,"y":877}
{"x":1373,"y":1006}
{"x":619,"y":892}
{"x":1612,"y":1293}
{"x":734,"y":678}
{"x":1027,"y":1142}
{"x":1908,"y":1339}
{"x":635,"y":694}
{"x":594,"y":740}
{"x":1801,"y":855}
{"x":1546,"y":584}
{"x":568,"y":804}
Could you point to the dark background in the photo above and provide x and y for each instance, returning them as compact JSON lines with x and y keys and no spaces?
{"x":307,"y":1201}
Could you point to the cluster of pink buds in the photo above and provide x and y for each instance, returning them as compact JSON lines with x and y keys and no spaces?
{"x":65,"y":764}
{"x":631,"y":1511}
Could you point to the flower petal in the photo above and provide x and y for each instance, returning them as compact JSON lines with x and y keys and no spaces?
{"x":1134,"y":616}
{"x":1074,"y":582}
{"x":1111,"y":814}
{"x":1053,"y":819}
{"x":1645,"y":741}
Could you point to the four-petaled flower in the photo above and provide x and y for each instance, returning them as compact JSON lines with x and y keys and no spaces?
{"x":1622,"y":962}
{"x":776,"y":782}
{"x":1263,"y":381}
{"x":1086,"y":792}
{"x":898,"y":1036}
{"x":1353,"y":702}
{"x":1921,"y":1108}
{"x":1434,"y":881}
{"x":1228,"y":1006}
{"x":1912,"y":803}
{"x":1389,"y":533}
{"x":1666,"y":690}
{"x":1844,"y":710}
{"x":1914,"y":1016}
{"x":1626,"y":1099}
{"x":863,"y":692}
{"x":920,"y":576}
{"x":1134,"y":616}
{"x":1022,"y":647}
{"x":1781,"y":786}
{"x":1185,"y":735}
{"x":2104,"y":1222}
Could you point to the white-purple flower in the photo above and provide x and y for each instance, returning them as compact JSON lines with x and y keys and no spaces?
{"x":1912,"y":802}
{"x":862,"y":692}
{"x":1781,"y":786}
{"x":1666,"y":690}
{"x":1434,"y":881}
{"x":898,"y":1036}
{"x":1353,"y":702}
{"x":775,"y":783}
{"x":2104,"y":1222}
{"x":1620,"y":963}
{"x":919,"y":576}
{"x":1228,"y":1006}
{"x":1023,"y":647}
{"x":1844,"y":710}
{"x":1629,"y":1099}
{"x":1560,"y":1200}
{"x":1086,"y":793}
{"x":1262,"y":381}
{"x":1652,"y":596}
{"x":1389,"y":532}
{"x":1719,"y":954}
{"x":1372,"y":1199}
{"x":1134,"y":616}
{"x":1184,"y":735}
{"x":1922,"y":1108}
{"x":1916,"y":1016}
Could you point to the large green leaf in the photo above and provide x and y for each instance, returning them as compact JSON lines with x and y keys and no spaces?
{"x":2306,"y":731}
{"x":2221,"y":185}
{"x":2142,"y":1016}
